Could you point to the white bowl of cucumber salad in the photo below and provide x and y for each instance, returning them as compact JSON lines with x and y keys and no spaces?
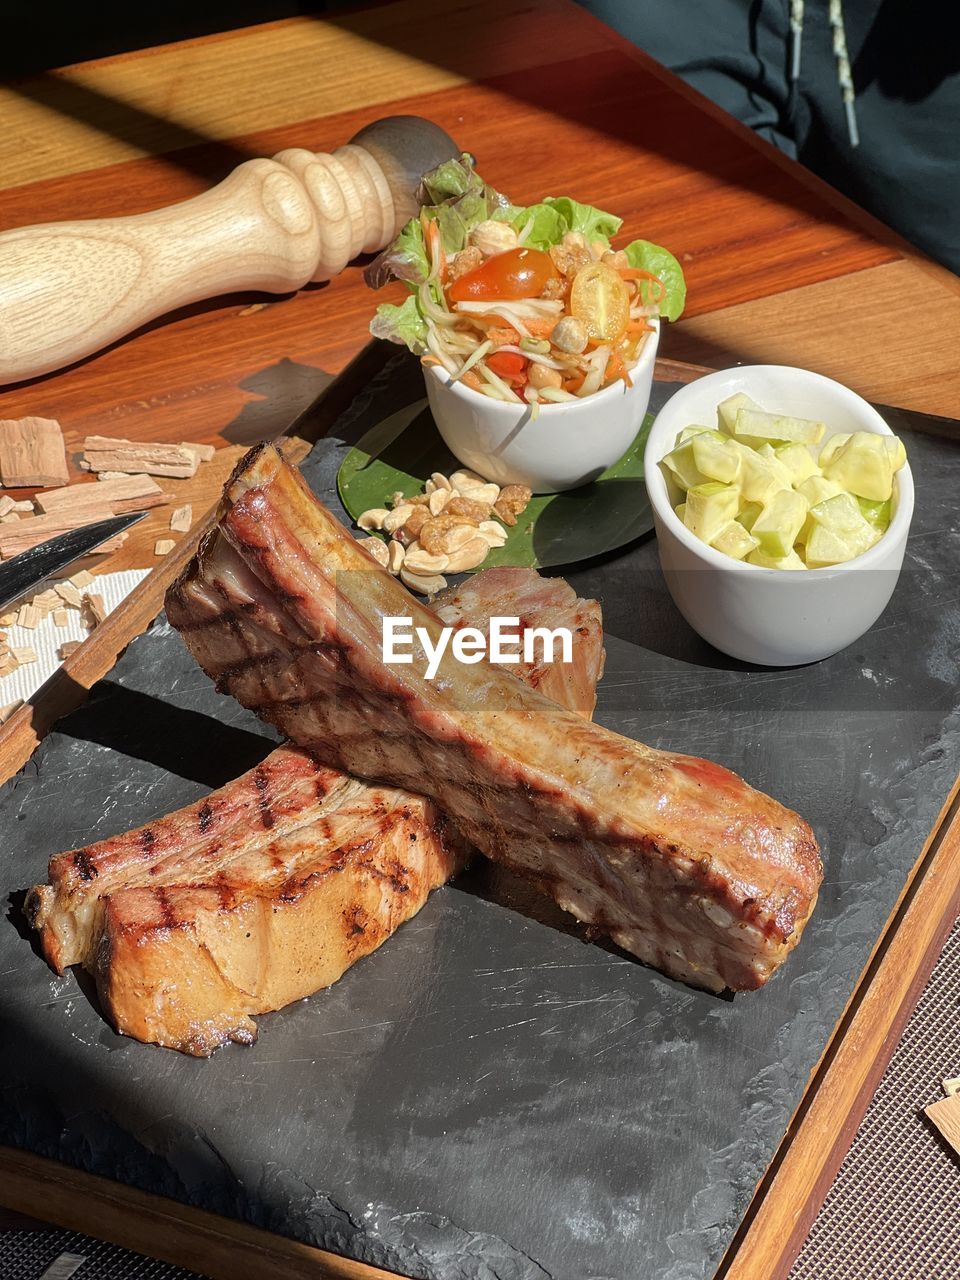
{"x":782,"y":503}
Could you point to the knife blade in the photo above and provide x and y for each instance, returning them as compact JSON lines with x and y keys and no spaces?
{"x":26,"y":571}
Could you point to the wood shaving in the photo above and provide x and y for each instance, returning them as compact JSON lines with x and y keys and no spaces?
{"x":182,"y":519}
{"x":163,"y":546}
{"x":28,"y":616}
{"x":82,"y":579}
{"x":68,"y":647}
{"x":61,"y":617}
{"x":32,"y":453}
{"x":7,"y":711}
{"x":67,"y":591}
{"x":24,"y":654}
{"x":94,"y":608}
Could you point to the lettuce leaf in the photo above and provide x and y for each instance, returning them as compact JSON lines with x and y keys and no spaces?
{"x":404,"y":324}
{"x":553,"y":217}
{"x":457,"y":198}
{"x":661,"y":263}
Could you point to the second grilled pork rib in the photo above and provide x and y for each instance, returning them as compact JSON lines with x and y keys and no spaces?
{"x":269,"y":888}
{"x":679,"y":860}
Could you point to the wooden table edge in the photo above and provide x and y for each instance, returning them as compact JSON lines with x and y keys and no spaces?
{"x":822,"y":1127}
{"x":224,"y":1248}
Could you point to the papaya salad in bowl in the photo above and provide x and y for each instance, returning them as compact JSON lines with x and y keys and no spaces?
{"x":538,"y":337}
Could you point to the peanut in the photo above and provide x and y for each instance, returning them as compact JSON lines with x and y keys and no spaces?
{"x":377,"y":548}
{"x":417,"y":560}
{"x":373,"y":519}
{"x":469,"y":556}
{"x":468,"y":508}
{"x":570,"y":335}
{"x":395,"y":556}
{"x":425,"y":585}
{"x":541,"y":376}
{"x":434,"y":536}
{"x":492,"y":237}
{"x":397,"y":517}
{"x":438,"y":500}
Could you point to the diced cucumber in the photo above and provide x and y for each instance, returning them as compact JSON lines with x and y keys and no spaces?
{"x":831,"y":446}
{"x":825,"y":547}
{"x":689,"y":432}
{"x":735,"y":541}
{"x":816,"y":489}
{"x":843,"y":517}
{"x":791,"y":561}
{"x":777,"y":526}
{"x":755,"y":491}
{"x":760,"y":477}
{"x":798,"y":460}
{"x":710,"y":508}
{"x":717,"y":458}
{"x":894,"y":446}
{"x":728,"y":409}
{"x":683,"y":468}
{"x":755,"y":425}
{"x":878,"y":513}
{"x":864,"y":466}
{"x":748,"y":514}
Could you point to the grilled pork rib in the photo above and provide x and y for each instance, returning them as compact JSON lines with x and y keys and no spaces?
{"x":679,"y":860}
{"x":270,"y":888}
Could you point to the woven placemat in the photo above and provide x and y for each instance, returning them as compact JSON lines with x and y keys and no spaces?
{"x":893,"y":1212}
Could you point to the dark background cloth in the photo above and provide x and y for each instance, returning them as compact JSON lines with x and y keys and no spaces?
{"x":905,"y":59}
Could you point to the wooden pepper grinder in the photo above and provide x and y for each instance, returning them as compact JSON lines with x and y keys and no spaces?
{"x":70,"y":288}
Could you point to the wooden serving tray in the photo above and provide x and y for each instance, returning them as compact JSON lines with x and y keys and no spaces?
{"x":626,"y":1129}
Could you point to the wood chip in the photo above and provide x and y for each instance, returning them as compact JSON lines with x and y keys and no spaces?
{"x":28,"y":616}
{"x":182,"y":518}
{"x":205,"y":452}
{"x":6,"y":505}
{"x":8,"y":664}
{"x":103,"y":453}
{"x":10,"y":518}
{"x":94,"y":609}
{"x":68,"y":592}
{"x":45,"y":598}
{"x":945,"y":1115}
{"x":32,"y":453}
{"x":109,"y":498}
{"x":24,"y":507}
{"x":82,"y":579}
{"x":8,"y":619}
{"x":163,"y":546}
{"x":110,"y":475}
{"x":61,"y":617}
{"x":7,"y":711}
{"x":68,"y":647}
{"x":24,"y":654}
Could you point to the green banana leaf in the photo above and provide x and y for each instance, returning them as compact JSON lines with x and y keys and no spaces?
{"x":556,"y":528}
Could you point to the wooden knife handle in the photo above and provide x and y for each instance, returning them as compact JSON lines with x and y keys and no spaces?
{"x":68,"y":289}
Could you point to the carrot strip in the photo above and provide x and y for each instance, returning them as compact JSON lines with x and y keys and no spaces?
{"x":472,"y":379}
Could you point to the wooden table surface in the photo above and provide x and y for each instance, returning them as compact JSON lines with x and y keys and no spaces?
{"x":780,"y":268}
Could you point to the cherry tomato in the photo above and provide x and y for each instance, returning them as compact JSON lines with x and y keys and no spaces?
{"x":508,"y":365}
{"x":600,"y":301}
{"x":518,"y":273}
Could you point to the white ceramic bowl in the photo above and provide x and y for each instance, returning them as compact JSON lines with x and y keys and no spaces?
{"x":773,"y":617}
{"x":568,"y":445}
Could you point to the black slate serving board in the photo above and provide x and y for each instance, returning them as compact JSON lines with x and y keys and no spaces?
{"x":488,"y":1097}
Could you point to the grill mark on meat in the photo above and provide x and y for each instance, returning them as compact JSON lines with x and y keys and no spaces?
{"x":354,"y":720}
{"x":204,"y":818}
{"x":262,"y":784}
{"x":85,"y":868}
{"x":167,"y":914}
{"x":147,"y":841}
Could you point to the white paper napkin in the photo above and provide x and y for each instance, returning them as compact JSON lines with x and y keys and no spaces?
{"x":47,"y":638}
